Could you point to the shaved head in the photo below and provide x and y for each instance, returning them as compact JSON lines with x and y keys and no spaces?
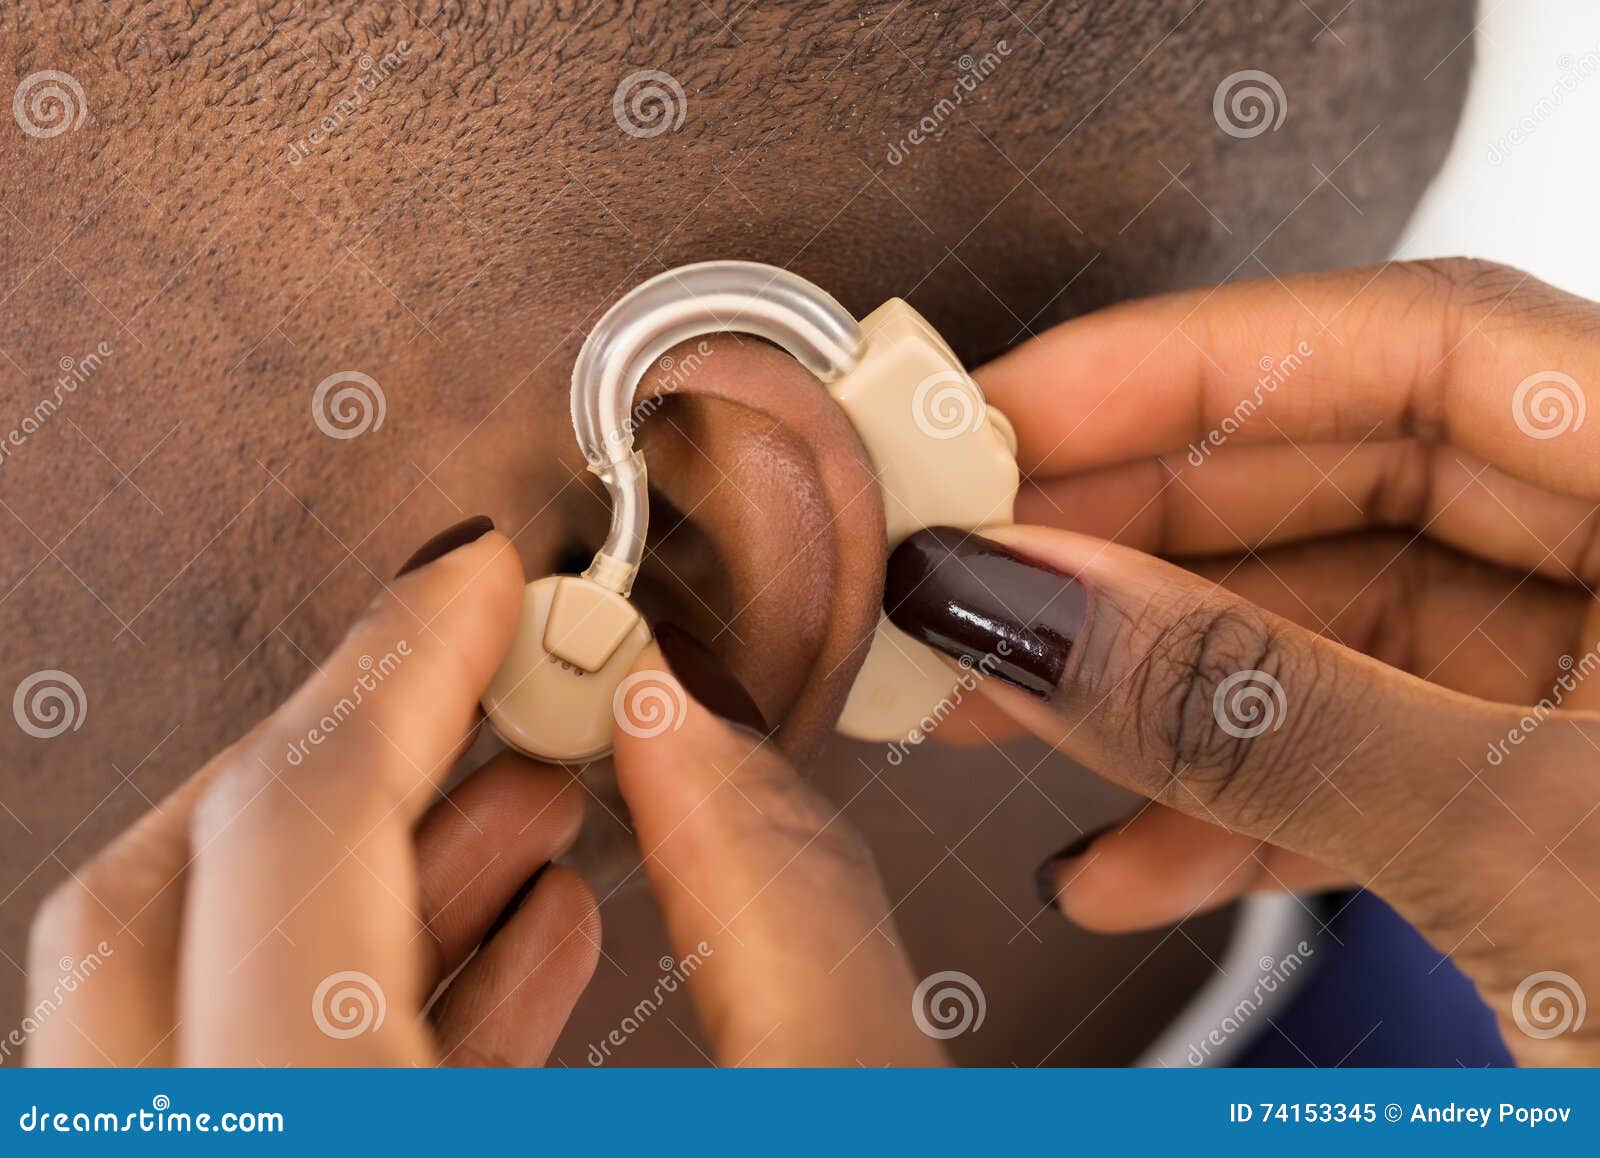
{"x":432,"y":201}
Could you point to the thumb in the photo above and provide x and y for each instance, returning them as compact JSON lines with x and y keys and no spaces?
{"x":1185,"y":693}
{"x":767,"y":893}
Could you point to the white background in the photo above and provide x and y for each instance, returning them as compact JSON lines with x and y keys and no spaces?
{"x":1538,"y":208}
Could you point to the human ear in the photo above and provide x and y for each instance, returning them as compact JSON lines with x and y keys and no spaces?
{"x":767,"y":526}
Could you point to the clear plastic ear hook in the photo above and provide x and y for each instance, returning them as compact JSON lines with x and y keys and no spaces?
{"x":711,"y":297}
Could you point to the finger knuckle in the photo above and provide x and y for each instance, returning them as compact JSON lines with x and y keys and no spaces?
{"x":240,"y":780}
{"x":108,"y":893}
{"x":1463,"y":295}
{"x":82,"y":917}
{"x":387,"y":605}
{"x":773,"y":809}
{"x":127,"y":874}
{"x":1468,"y":277}
{"x":810,"y":821}
{"x":1209,"y":697}
{"x":62,"y":918}
{"x":387,"y":623}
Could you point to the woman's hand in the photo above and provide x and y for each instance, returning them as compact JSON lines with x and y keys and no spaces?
{"x":1381,"y":421}
{"x":302,"y":899}
{"x":299,"y":900}
{"x":762,"y":883}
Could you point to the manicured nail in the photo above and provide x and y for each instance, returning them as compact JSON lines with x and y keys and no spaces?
{"x":980,"y":602}
{"x":1044,"y":877}
{"x":447,"y":540}
{"x":705,"y":677}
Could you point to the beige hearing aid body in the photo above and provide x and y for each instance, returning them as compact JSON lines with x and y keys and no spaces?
{"x":942,"y":457}
{"x":553,"y":697}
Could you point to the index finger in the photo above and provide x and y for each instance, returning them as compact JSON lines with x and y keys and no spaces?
{"x":126,"y":906}
{"x":1455,"y":351}
{"x":303,"y":889}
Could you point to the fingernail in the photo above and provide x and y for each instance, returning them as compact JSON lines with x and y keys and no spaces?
{"x":447,"y":540}
{"x":975,"y":600}
{"x":705,"y":677}
{"x":1044,"y":877}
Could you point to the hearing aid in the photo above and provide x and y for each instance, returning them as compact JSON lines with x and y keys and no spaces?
{"x":942,"y":457}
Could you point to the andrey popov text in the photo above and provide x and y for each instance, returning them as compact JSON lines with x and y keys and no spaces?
{"x":1448,"y":1114}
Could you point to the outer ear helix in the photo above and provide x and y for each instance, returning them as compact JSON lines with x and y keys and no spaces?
{"x":942,"y":457}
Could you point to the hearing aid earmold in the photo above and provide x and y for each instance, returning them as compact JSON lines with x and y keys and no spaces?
{"x":942,"y":457}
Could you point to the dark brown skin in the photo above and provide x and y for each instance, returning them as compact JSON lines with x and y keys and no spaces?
{"x":454,"y":236}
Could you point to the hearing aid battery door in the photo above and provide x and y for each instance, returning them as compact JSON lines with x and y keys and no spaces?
{"x":943,"y":457}
{"x":552,"y":697}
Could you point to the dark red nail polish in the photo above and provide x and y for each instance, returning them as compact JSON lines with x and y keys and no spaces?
{"x":1044,"y":877}
{"x":705,"y":677}
{"x":975,"y":600}
{"x":447,"y":540}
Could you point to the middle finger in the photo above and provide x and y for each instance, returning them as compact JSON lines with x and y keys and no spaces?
{"x":1244,"y":497}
